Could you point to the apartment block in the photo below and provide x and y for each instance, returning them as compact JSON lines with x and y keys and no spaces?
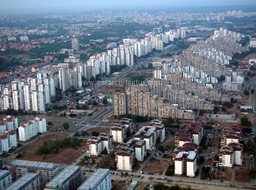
{"x":124,"y":157}
{"x":230,"y":134}
{"x":231,"y":150}
{"x":191,"y":134}
{"x":32,"y":128}
{"x":160,"y":129}
{"x":5,"y":179}
{"x":100,"y":179}
{"x":96,"y":145}
{"x":149,"y":135}
{"x":185,"y":164}
{"x":46,"y":171}
{"x":139,"y":147}
{"x":118,"y":131}
{"x":29,"y":181}
{"x":69,"y":178}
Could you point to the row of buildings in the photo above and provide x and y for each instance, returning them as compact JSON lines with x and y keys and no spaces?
{"x":137,"y":147}
{"x":185,"y":154}
{"x":32,"y":175}
{"x":32,"y":128}
{"x":231,"y":151}
{"x":33,"y":93}
{"x":9,"y":127}
{"x":139,"y":100}
{"x":8,"y":136}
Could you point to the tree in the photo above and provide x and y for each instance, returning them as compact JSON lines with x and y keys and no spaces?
{"x":246,"y":92}
{"x":161,"y":148}
{"x":170,"y":170}
{"x":49,"y":123}
{"x":65,"y":126}
{"x":221,"y":78}
{"x":84,"y":133}
{"x":245,"y":121}
{"x":95,"y":133}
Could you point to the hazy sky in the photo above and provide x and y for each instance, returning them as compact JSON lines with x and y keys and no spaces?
{"x":10,"y":5}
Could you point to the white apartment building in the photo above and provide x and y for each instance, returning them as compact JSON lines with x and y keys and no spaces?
{"x":147,"y":133}
{"x":96,"y":145}
{"x":139,"y":147}
{"x":11,"y":122}
{"x":8,"y":140}
{"x":160,"y":129}
{"x":5,"y":179}
{"x":118,"y":133}
{"x":230,"y":155}
{"x":30,"y":181}
{"x":229,"y":135}
{"x":69,"y":178}
{"x":185,"y":163}
{"x":99,"y":180}
{"x":124,"y":160}
{"x":32,"y":128}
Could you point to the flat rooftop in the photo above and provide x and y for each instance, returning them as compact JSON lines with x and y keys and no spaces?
{"x":34,"y":164}
{"x":22,"y":182}
{"x":94,"y":179}
{"x":63,"y":176}
{"x":4,"y":173}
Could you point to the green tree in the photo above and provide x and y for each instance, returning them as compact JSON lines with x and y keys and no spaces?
{"x":49,"y":123}
{"x":245,"y":121}
{"x":95,"y":133}
{"x":65,"y":126}
{"x":246,"y":92}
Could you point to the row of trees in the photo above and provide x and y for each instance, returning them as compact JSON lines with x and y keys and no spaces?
{"x":54,"y":146}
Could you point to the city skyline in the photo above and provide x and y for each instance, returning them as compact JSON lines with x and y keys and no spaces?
{"x":47,"y":5}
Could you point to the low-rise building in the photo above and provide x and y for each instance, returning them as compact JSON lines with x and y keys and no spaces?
{"x":5,"y":179}
{"x":30,"y":181}
{"x":99,"y":180}
{"x":69,"y":178}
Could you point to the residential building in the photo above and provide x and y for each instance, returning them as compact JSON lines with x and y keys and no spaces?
{"x":96,"y":145}
{"x":149,"y":135}
{"x":185,"y":164}
{"x":100,"y":179}
{"x":191,"y":134}
{"x":75,"y":44}
{"x":124,"y":157}
{"x":230,"y":135}
{"x":5,"y":179}
{"x":32,"y":128}
{"x":118,"y":132}
{"x":46,"y":171}
{"x":69,"y":178}
{"x":29,"y":181}
{"x":139,"y":147}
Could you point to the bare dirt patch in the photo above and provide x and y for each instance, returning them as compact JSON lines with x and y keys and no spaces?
{"x":155,"y":166}
{"x":98,"y":129}
{"x":242,"y":175}
{"x":65,"y":156}
{"x":228,"y":174}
